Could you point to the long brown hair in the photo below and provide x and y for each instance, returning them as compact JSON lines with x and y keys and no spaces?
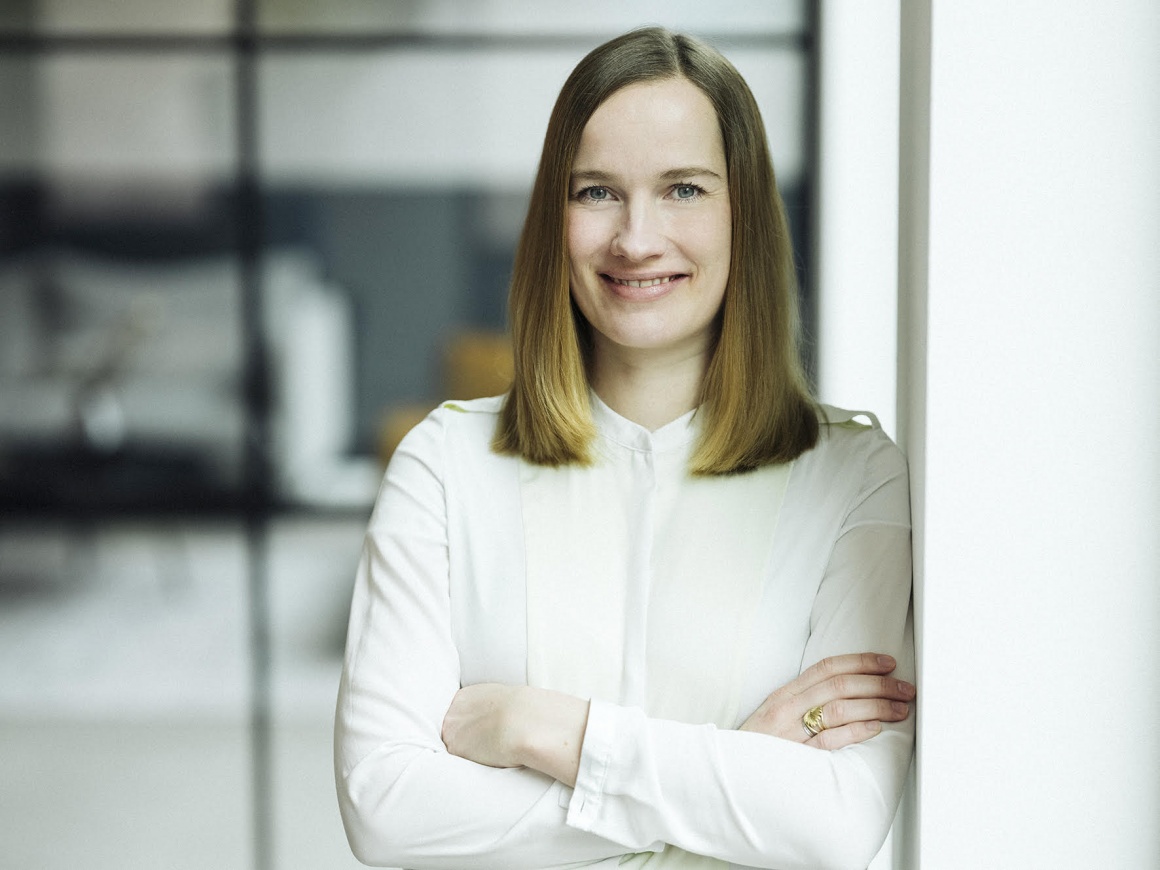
{"x":755,"y":402}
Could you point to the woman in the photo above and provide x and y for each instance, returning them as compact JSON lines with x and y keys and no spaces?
{"x":629,"y":614}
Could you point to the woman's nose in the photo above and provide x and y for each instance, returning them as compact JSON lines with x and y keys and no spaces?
{"x":639,"y":235}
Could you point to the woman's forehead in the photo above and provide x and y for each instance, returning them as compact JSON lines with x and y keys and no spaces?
{"x":658,"y":126}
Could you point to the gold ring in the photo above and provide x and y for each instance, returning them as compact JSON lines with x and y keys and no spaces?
{"x":813,"y":722}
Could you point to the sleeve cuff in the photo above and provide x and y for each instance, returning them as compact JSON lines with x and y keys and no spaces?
{"x":607,"y":756}
{"x":595,"y":759}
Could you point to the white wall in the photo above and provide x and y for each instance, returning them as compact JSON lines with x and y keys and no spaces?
{"x":855,"y":256}
{"x":856,"y":218}
{"x":1031,"y":407}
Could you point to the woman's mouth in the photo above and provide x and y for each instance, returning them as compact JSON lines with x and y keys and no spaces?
{"x":644,"y":282}
{"x":642,"y":289}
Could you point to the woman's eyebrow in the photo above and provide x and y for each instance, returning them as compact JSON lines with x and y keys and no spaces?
{"x":597,"y":176}
{"x":689,"y":172}
{"x":594,"y":176}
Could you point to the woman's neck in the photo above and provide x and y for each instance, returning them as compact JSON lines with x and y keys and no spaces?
{"x":645,"y":389}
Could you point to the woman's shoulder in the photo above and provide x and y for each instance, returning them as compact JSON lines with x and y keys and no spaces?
{"x":489,"y":406}
{"x":854,"y":439}
{"x":459,"y":418}
{"x":457,"y":430}
{"x":831,"y":415}
{"x":853,"y":459}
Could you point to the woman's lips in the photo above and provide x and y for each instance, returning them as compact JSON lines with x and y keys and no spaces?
{"x":642,"y":289}
{"x":643,"y":282}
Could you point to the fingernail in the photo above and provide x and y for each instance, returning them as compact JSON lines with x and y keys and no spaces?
{"x":874,"y":727}
{"x":906,"y":689}
{"x":886,"y":661}
{"x":900,"y":708}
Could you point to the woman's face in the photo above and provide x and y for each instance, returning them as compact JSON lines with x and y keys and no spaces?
{"x":649,"y":231}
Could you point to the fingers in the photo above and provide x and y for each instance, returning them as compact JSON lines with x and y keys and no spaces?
{"x":858,"y":675}
{"x":860,"y":706}
{"x":857,"y":686}
{"x":846,"y":735}
{"x":841,"y":713}
{"x":856,"y":694}
{"x":836,"y":666}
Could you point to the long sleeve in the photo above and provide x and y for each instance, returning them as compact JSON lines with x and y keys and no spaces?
{"x":405,"y":801}
{"x":761,"y":801}
{"x":440,"y":602}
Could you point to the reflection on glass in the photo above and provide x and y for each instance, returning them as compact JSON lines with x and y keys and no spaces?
{"x":120,"y":375}
{"x":312,"y":564}
{"x":124,"y":632}
{"x":136,"y":117}
{"x":17,"y":16}
{"x":521,"y":17}
{"x":86,"y":18}
{"x":393,"y":177}
{"x":123,"y":694}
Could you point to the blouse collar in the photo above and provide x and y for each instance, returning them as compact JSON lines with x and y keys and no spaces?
{"x":626,"y":433}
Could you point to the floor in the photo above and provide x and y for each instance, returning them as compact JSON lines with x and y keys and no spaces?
{"x":125,"y":699}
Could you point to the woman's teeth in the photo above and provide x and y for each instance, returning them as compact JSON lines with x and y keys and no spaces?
{"x":652,"y":282}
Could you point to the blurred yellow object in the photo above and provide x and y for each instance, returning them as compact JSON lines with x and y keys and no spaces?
{"x":475,"y":364}
{"x":397,"y":422}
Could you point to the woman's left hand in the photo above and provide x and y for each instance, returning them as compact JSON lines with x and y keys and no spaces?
{"x":854,"y":693}
{"x":517,"y":726}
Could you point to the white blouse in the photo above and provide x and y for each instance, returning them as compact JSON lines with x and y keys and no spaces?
{"x":676,"y":604}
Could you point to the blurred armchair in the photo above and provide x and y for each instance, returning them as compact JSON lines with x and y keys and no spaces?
{"x":121,"y":380}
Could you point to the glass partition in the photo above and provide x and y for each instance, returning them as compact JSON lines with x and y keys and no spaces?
{"x":232,"y":272}
{"x":516,"y":18}
{"x":81,"y":18}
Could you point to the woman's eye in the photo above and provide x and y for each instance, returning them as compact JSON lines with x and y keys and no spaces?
{"x":686,"y":191}
{"x":594,"y":194}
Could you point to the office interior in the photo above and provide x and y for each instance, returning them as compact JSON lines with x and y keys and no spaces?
{"x":243,"y":243}
{"x":243,"y":246}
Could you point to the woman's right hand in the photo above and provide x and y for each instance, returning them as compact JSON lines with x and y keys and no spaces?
{"x":856,"y":695}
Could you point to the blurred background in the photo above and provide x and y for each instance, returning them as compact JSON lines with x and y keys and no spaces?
{"x":243,"y":246}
